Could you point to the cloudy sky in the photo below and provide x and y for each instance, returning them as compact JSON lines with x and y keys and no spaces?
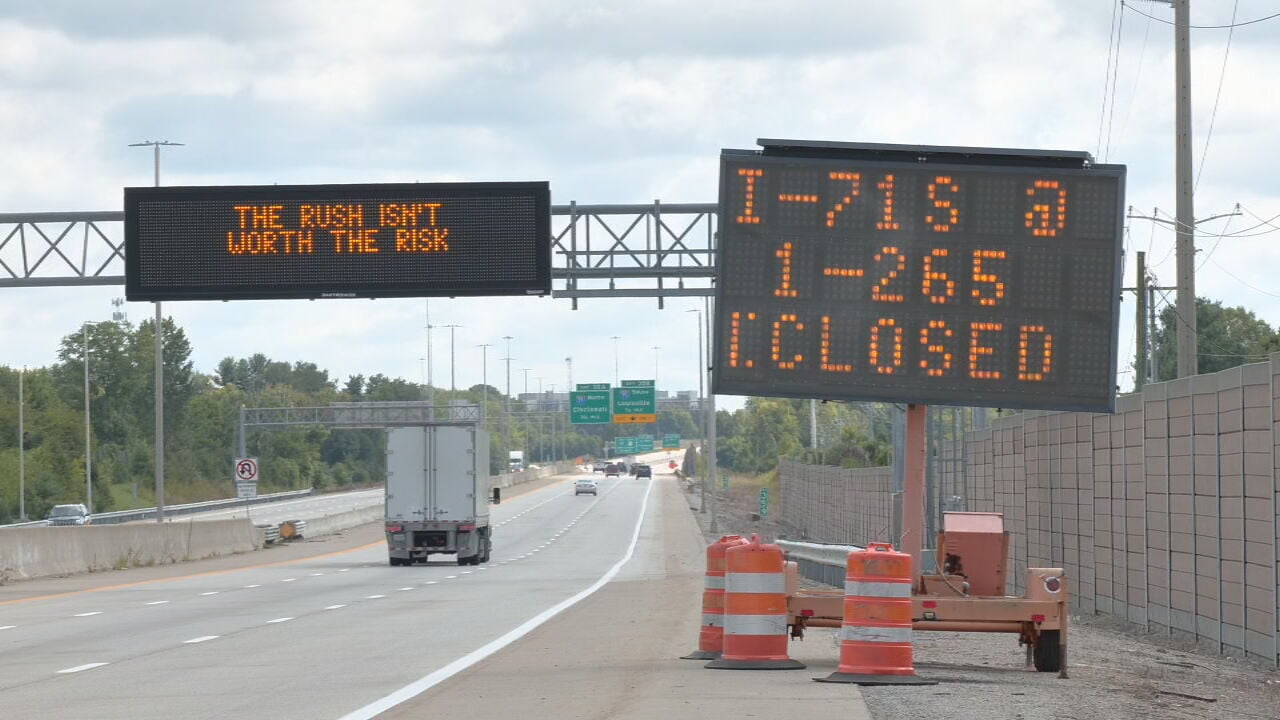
{"x":611,"y":102}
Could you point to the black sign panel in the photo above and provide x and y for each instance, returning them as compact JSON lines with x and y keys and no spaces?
{"x":989,"y":284}
{"x":329,"y":241}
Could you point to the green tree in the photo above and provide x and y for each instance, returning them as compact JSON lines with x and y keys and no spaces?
{"x":1225,"y":337}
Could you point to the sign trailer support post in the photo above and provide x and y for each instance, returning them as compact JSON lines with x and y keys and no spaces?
{"x":913,"y":462}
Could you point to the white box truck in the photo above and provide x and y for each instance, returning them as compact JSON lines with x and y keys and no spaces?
{"x":515,"y":461}
{"x":438,"y":494}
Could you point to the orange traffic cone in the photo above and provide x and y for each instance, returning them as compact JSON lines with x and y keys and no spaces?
{"x":755,"y":610}
{"x":875,"y":640}
{"x":711,"y":636}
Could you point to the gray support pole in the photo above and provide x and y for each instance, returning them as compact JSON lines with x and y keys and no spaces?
{"x":1185,"y":228}
{"x":22,"y":450}
{"x":712,"y":468}
{"x":813,"y":424}
{"x":241,"y":449}
{"x":88,"y":439}
{"x":159,"y":333}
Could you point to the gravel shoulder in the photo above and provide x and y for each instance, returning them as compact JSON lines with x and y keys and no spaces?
{"x":1116,"y":669}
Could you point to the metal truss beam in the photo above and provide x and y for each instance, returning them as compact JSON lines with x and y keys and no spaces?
{"x":598,"y":251}
{"x":360,"y":415}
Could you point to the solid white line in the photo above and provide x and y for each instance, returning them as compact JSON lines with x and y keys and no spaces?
{"x":279,"y":620}
{"x":202,"y":638}
{"x":335,"y":607}
{"x":429,"y":681}
{"x":80,"y":668}
{"x":158,"y":602}
{"x":89,"y":614}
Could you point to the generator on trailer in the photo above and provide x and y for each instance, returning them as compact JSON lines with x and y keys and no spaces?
{"x":438,"y":493}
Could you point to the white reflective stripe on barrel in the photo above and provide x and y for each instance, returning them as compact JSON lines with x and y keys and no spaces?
{"x":755,"y":583}
{"x":876,"y":634}
{"x":755,"y":624}
{"x":712,"y":620}
{"x":867,"y":588}
{"x":714,"y":582}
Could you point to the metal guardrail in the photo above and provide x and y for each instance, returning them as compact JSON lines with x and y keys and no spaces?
{"x":123,"y":516}
{"x":271,"y":534}
{"x":825,"y":563}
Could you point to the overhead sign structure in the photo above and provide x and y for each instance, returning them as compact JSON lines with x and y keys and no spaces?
{"x":337,"y":241}
{"x":590,"y":407}
{"x":961,"y":276}
{"x":635,"y":402}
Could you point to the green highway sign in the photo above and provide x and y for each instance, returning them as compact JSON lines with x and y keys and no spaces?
{"x":635,"y":402}
{"x":764,"y":502}
{"x":644,"y":444}
{"x":624,"y":445}
{"x":593,"y":386}
{"x":590,"y":407}
{"x":670,"y":441}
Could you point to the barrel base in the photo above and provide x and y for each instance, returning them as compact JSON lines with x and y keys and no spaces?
{"x":723,"y":664}
{"x":701,"y":655}
{"x":858,"y":679}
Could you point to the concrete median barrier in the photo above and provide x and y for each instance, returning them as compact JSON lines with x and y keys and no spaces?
{"x":338,"y":522}
{"x":42,"y":552}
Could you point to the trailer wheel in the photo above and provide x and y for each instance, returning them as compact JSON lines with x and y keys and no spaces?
{"x":1047,"y":654}
{"x":396,"y":562}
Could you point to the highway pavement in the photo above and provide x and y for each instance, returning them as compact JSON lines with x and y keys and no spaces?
{"x":317,"y":637}
{"x":301,"y":509}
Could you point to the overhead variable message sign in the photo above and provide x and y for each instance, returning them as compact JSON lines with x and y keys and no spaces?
{"x":635,"y":402}
{"x":915,"y":274}
{"x":337,"y":241}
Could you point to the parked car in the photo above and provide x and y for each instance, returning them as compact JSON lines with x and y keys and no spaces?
{"x":76,"y":514}
{"x":586,"y":485}
{"x":612,"y":470}
{"x":641,"y":471}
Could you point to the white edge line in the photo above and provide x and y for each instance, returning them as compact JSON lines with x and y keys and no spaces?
{"x":80,"y":668}
{"x":202,"y":638}
{"x":429,"y":681}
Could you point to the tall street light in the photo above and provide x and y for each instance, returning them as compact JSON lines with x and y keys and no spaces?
{"x":484,"y":381}
{"x":656,"y":348}
{"x":431,"y":390}
{"x":88,"y":448}
{"x":615,"y":339}
{"x":526,"y":379}
{"x":155,"y":145}
{"x":453,"y":383}
{"x":508,"y":338}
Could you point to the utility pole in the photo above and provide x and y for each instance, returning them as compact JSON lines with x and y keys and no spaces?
{"x":1141,"y":364}
{"x":453,"y":382}
{"x":155,"y":145}
{"x":1185,"y":229}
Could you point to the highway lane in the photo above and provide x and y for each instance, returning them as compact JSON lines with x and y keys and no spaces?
{"x":300,"y":509}
{"x":315,"y":638}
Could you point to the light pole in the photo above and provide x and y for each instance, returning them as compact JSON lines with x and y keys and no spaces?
{"x":656,"y":348}
{"x":453,"y":384}
{"x":22,"y":450}
{"x":484,"y":382}
{"x":700,"y":365}
{"x":568,"y":363}
{"x":615,"y":339}
{"x":526,"y":379}
{"x":88,"y":448}
{"x":155,"y":145}
{"x":431,"y":390}
{"x":508,"y":338}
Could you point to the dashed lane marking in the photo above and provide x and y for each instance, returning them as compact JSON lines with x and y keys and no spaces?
{"x":80,"y":668}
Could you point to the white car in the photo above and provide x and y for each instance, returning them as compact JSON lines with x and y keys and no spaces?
{"x":69,"y":515}
{"x":586,"y":485}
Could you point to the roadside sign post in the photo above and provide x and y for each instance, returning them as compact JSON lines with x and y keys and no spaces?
{"x":764,"y":502}
{"x":246,"y":478}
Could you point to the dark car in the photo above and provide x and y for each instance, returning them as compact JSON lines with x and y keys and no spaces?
{"x":612,"y":469}
{"x":642,"y":471}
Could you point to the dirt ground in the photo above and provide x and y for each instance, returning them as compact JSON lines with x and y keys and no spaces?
{"x":1116,"y":669}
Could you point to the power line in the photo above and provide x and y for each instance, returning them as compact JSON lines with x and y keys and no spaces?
{"x":1233,"y":24}
{"x":1241,"y":281}
{"x":1222,"y":76}
{"x":1111,"y":44}
{"x":1209,"y":255}
{"x":1115,"y":75}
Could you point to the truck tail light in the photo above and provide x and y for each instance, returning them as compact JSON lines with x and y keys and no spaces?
{"x":395,"y":528}
{"x":466,"y":528}
{"x":1037,"y":619}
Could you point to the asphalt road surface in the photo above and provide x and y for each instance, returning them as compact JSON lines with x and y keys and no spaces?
{"x":316,"y":637}
{"x":301,"y":509}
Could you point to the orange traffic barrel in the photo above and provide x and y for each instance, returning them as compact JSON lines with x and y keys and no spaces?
{"x":711,"y":634}
{"x":875,"y":639}
{"x":755,"y":610}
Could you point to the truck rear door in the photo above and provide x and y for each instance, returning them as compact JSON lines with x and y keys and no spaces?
{"x":452,"y":472}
